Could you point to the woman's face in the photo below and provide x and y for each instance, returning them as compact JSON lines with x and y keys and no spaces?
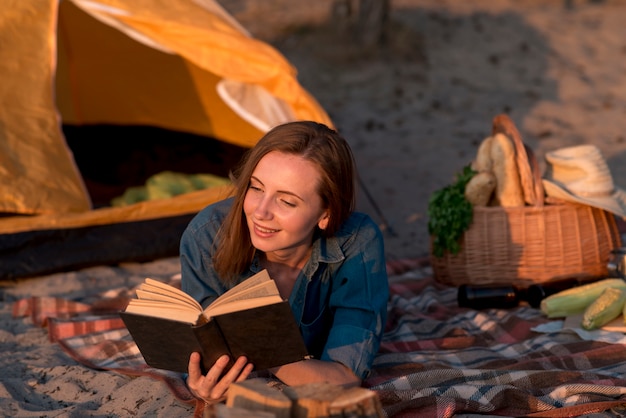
{"x":282,"y":206}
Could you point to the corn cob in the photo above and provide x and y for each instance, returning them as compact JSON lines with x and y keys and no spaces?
{"x":575,"y":300}
{"x":606,"y":308}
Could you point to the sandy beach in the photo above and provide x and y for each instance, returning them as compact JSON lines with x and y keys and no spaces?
{"x":414,"y":108}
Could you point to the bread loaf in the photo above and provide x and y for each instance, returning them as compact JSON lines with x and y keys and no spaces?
{"x":479,"y":189}
{"x":508,"y":191}
{"x":483,"y":156}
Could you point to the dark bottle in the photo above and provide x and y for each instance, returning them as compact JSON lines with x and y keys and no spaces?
{"x":487,"y":296}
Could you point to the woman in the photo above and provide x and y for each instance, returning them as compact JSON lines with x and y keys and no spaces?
{"x":292,"y":214}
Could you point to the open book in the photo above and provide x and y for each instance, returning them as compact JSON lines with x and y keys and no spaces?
{"x":251,"y":320}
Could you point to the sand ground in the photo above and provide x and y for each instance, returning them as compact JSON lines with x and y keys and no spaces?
{"x":414,"y":109}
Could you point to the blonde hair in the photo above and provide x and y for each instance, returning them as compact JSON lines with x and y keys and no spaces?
{"x":312,"y":141}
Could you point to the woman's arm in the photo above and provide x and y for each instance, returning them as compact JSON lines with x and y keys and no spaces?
{"x":358,"y":301}
{"x":197,"y":244}
{"x":308,"y":371}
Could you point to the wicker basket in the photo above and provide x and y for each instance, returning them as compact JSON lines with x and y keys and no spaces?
{"x":533,"y":244}
{"x":529,"y":245}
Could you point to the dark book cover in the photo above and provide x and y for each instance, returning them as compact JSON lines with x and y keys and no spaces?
{"x":167,"y":344}
{"x":268,"y":336}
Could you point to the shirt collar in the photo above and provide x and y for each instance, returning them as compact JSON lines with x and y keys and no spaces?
{"x":325,"y":250}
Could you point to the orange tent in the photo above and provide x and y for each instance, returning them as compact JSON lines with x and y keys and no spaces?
{"x":185,"y":66}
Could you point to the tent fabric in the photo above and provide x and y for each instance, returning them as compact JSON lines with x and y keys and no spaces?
{"x":254,"y":104}
{"x":183,"y":66}
{"x":126,"y":62}
{"x":37,"y":174}
{"x":206,"y":50}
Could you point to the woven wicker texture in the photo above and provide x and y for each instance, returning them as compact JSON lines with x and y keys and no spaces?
{"x":532,"y":244}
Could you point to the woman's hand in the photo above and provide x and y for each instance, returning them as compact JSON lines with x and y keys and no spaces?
{"x":211,"y":388}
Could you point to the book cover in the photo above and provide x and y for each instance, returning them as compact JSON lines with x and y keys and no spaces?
{"x":167,"y":344}
{"x":267,"y":335}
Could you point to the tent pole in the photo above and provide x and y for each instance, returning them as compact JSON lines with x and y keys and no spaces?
{"x":386,"y":227}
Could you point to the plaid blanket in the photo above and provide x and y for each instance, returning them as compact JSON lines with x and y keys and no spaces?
{"x":436,"y":359}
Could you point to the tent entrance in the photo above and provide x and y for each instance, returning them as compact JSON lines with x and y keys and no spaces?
{"x":113,"y":158}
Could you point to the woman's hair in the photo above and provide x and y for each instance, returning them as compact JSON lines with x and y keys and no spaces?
{"x":312,"y":141}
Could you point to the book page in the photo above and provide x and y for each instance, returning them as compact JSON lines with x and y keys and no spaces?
{"x":240,"y":305}
{"x":260,"y":277}
{"x":156,"y":286}
{"x":165,"y":310}
{"x":260,"y":290}
{"x":149,"y":295}
{"x":259,"y":285}
{"x":161,"y":300}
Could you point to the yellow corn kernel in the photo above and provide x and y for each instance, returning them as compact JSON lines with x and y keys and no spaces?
{"x":574,"y":301}
{"x":606,"y":308}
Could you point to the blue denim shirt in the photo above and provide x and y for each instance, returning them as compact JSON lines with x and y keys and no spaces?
{"x":339,"y":299}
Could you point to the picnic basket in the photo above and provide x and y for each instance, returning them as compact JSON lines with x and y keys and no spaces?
{"x":541,"y":242}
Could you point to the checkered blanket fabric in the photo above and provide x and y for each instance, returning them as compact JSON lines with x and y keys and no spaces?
{"x":436,"y":359}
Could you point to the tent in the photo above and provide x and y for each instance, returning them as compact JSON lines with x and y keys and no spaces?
{"x":185,"y":67}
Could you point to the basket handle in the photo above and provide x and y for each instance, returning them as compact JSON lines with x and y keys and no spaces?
{"x":530,"y":176}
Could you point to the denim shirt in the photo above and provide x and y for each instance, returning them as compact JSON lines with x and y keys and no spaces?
{"x":339,"y":299}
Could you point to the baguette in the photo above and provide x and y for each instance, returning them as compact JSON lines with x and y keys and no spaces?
{"x":508,"y":191}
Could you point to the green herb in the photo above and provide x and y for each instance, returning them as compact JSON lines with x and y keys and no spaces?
{"x":450,"y":214}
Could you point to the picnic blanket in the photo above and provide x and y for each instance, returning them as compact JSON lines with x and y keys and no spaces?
{"x":436,"y":359}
